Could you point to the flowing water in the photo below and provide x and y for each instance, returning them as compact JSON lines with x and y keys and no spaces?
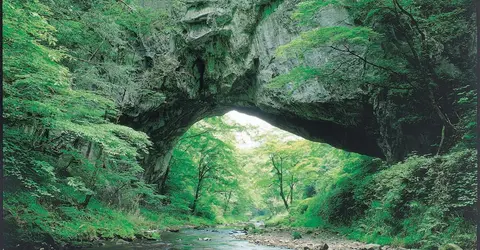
{"x":189,"y":239}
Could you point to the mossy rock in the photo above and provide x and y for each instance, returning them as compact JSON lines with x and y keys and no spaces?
{"x":249,"y":226}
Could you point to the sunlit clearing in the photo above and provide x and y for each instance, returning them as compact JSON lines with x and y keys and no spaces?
{"x":256,"y":127}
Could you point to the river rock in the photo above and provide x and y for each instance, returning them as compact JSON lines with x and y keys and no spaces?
{"x":121,"y":242}
{"x":322,"y":247}
{"x":259,"y":224}
{"x":371,"y":247}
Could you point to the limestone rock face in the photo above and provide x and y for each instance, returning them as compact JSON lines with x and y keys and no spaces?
{"x":224,"y":59}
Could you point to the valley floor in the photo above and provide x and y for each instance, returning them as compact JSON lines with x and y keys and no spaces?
{"x":311,"y":239}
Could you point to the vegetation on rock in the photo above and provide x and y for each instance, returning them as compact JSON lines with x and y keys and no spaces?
{"x":74,"y":172}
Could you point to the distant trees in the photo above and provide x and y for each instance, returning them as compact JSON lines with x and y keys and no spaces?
{"x":205,"y":167}
{"x":281,"y":174}
{"x":285,"y":157}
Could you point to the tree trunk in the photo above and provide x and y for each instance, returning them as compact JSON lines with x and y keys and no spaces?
{"x":197,"y":194}
{"x":227,"y":202}
{"x":282,"y":194}
{"x":441,"y":140}
{"x":279,"y":169}
{"x":163,"y":184}
{"x":84,"y":204}
{"x":291,"y":191}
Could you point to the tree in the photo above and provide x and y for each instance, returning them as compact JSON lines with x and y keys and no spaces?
{"x":63,"y":147}
{"x":394,"y":45}
{"x":284,"y":158}
{"x":278,"y":166}
{"x":206,"y":156}
{"x":57,"y":119}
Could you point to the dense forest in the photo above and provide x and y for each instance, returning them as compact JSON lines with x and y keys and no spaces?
{"x":104,"y":138}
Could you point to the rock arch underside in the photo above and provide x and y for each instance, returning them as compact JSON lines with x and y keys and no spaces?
{"x":225,"y":59}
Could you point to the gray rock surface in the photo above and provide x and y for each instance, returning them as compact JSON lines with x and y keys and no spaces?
{"x":224,"y":59}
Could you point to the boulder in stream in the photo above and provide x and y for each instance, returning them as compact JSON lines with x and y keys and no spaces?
{"x":372,"y":247}
{"x":122,"y":242}
{"x":205,"y":239}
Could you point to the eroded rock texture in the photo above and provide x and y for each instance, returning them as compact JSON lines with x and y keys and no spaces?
{"x":224,"y":58}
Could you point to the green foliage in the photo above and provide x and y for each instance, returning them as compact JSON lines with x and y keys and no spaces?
{"x":308,"y":9}
{"x":61,"y":141}
{"x":329,"y":36}
{"x":423,"y":202}
{"x":393,"y":44}
{"x":255,"y":231}
{"x":412,"y":49}
{"x":204,"y":172}
{"x":336,"y":39}
{"x":294,"y":78}
{"x":432,"y":193}
{"x":36,"y":221}
{"x":270,"y":7}
{"x":73,"y":174}
{"x":296,"y":235}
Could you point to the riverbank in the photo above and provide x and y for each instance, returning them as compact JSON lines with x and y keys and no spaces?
{"x":187,"y":238}
{"x":30,"y":224}
{"x":307,"y":239}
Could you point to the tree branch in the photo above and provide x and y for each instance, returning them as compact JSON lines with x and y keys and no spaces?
{"x":414,"y":21}
{"x":347,"y":50}
{"x":199,"y":134}
{"x":128,"y":6}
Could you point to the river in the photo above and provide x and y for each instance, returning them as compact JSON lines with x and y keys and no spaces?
{"x":219,"y":238}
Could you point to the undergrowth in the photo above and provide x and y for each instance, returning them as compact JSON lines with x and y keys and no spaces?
{"x":423,"y":202}
{"x":31,"y":222}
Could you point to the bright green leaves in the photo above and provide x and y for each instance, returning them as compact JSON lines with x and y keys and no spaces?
{"x":115,"y":140}
{"x":350,"y":44}
{"x":204,"y":169}
{"x":27,"y":19}
{"x":78,"y":185}
{"x":49,"y":124}
{"x":270,"y":7}
{"x":295,"y":76}
{"x":430,"y":192}
{"x":308,"y":9}
{"x":32,"y":75}
{"x":26,"y":168}
{"x":25,"y":58}
{"x":338,"y":36}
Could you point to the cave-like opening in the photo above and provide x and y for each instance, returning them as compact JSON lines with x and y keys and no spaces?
{"x":240,"y":167}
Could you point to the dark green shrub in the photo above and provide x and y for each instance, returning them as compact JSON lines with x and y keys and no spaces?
{"x":296,"y":235}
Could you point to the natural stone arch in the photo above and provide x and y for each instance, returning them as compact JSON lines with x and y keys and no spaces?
{"x":225,"y":59}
